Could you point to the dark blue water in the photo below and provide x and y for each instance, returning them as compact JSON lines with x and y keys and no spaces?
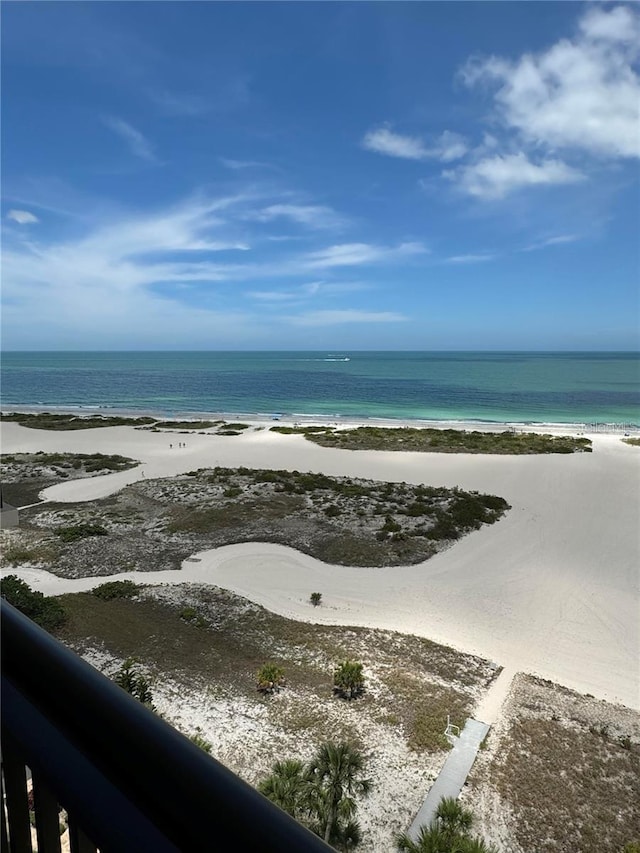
{"x":499,"y":387}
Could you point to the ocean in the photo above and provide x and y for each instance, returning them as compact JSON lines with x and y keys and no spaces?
{"x":491,"y":387}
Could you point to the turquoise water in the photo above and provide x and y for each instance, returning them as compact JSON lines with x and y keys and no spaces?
{"x":513,"y":387}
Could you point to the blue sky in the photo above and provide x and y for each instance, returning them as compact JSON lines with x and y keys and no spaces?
{"x":353,"y":175}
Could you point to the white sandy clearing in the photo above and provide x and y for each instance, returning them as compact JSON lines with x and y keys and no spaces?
{"x":552,"y":589}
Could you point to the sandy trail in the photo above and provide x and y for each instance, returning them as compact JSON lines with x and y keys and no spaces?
{"x":552,"y":589}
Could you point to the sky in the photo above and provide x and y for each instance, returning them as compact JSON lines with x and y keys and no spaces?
{"x":320,"y":175}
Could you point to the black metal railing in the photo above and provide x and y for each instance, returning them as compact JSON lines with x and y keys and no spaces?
{"x":127,"y":780}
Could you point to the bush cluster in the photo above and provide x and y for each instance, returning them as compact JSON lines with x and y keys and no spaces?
{"x":116,"y":589}
{"x":46,"y":612}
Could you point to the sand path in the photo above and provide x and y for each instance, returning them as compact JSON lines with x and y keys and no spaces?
{"x":552,"y":589}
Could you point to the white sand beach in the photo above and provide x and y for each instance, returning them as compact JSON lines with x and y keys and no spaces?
{"x":552,"y":589}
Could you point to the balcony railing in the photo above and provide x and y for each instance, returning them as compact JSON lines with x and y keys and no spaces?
{"x":128,"y":781}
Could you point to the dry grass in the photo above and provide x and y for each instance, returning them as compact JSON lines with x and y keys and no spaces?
{"x":409,"y":681}
{"x":566,"y":769}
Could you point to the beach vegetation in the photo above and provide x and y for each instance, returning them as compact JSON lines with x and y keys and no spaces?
{"x":315,"y":598}
{"x":288,"y":787}
{"x":132,"y":679}
{"x":634,"y":442}
{"x":50,"y":421}
{"x":184,"y":425}
{"x":270,"y":679}
{"x":322,"y":794}
{"x":560,"y":762}
{"x":19,"y":553}
{"x":25,"y":475}
{"x":348,"y":679}
{"x":201,"y":742}
{"x":448,"y":832}
{"x":431,"y":440}
{"x":73,"y":532}
{"x":116,"y":589}
{"x":47,"y":612}
{"x":336,"y":778}
{"x":190,"y":614}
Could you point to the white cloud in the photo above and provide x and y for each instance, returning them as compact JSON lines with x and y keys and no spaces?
{"x":619,"y":24}
{"x":384,"y":141}
{"x":496,"y":177}
{"x":349,"y":315}
{"x":581,"y":93}
{"x":312,"y":216}
{"x":551,"y":241}
{"x":138,"y":144}
{"x":470,"y":259}
{"x":353,"y":254}
{"x":162,"y":268}
{"x":22,"y":217}
{"x":449,"y":146}
{"x":307,"y":291}
{"x":229,"y":163}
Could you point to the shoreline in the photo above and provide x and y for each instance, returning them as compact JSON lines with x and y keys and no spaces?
{"x":290,"y":419}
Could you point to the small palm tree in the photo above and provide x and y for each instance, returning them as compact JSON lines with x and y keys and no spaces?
{"x":288,"y":787}
{"x":133,"y":681}
{"x":429,"y":840}
{"x":448,"y":832}
{"x":452,"y":818}
{"x":270,"y":678}
{"x":348,"y":679}
{"x":336,"y":774}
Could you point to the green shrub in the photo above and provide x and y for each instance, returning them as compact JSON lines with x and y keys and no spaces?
{"x":116,"y":589}
{"x":80,"y":531}
{"x":134,"y":682}
{"x":348,"y":679}
{"x":46,"y":612}
{"x":270,"y":678}
{"x":203,"y":743}
{"x":315,"y":598}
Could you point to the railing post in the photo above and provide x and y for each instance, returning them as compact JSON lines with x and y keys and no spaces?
{"x":17,"y":803}
{"x":47,"y":817}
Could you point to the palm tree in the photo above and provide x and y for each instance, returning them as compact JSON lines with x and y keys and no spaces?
{"x":448,"y":832}
{"x":270,"y":678}
{"x":335,"y":772}
{"x":288,"y":787}
{"x":452,"y":818}
{"x":429,"y":840}
{"x":348,"y":679}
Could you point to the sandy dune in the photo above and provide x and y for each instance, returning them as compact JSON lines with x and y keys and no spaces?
{"x":552,"y":589}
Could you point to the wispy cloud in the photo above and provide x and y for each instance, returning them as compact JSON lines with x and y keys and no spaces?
{"x":551,"y":241}
{"x":230,"y":163}
{"x":349,"y":315}
{"x":170,"y":266}
{"x":355,"y":254}
{"x":311,"y":216}
{"x":471,"y":259}
{"x":448,"y":146}
{"x":305,"y":292}
{"x":138,"y":144}
{"x":22,"y":217}
{"x":496,"y":177}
